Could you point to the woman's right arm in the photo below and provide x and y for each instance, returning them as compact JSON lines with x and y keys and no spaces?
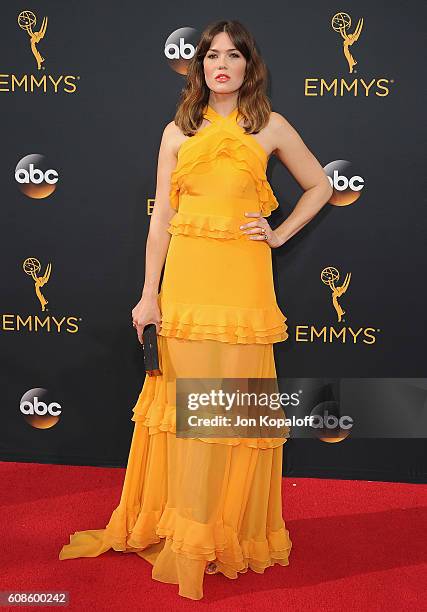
{"x":147,"y":309}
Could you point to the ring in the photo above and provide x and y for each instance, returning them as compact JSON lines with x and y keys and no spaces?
{"x":266,"y":237}
{"x":263,"y":230}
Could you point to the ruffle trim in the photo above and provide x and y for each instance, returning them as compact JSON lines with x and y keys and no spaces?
{"x":201,"y":160}
{"x":231,"y":324}
{"x":210,"y":226}
{"x":200,"y":541}
{"x":133,"y":532}
{"x":130,"y":529}
{"x":158,"y":416}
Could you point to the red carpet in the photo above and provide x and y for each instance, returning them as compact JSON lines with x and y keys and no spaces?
{"x":356,"y":546}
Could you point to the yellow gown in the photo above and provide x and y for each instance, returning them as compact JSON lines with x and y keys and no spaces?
{"x":186,"y":502}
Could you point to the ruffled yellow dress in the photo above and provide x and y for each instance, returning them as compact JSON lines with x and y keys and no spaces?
{"x":186,"y":502}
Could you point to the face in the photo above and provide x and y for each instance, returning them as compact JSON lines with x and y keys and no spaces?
{"x":223,"y":58}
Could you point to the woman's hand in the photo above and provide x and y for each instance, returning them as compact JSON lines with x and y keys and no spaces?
{"x":146,"y":311}
{"x":261,"y":230}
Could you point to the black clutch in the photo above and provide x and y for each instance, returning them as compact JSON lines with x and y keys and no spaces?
{"x":151,"y":352}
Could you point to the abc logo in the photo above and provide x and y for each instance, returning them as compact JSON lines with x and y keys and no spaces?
{"x":347,"y":183}
{"x":329,"y":424}
{"x":180,"y":48}
{"x":39,"y":409}
{"x":34,"y":176}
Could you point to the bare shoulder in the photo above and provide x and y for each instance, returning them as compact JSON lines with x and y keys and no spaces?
{"x":172,"y":137}
{"x":282,"y":134}
{"x":279,"y":122}
{"x":170,"y":132}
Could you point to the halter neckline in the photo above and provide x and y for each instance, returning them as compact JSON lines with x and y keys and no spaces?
{"x":212,"y":115}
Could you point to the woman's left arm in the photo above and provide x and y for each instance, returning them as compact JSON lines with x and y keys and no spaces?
{"x":307,"y":171}
{"x":289,"y":147}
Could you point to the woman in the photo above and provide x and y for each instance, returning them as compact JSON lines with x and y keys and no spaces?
{"x":211,"y":505}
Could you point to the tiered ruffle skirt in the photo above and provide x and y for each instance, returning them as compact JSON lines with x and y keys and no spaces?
{"x":186,"y":502}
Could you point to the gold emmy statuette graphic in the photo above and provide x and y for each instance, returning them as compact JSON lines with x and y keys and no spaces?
{"x":329,"y":276}
{"x":340,"y":23}
{"x":31,"y":266}
{"x":26,"y":21}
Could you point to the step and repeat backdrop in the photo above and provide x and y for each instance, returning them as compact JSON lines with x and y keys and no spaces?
{"x":86,"y":90}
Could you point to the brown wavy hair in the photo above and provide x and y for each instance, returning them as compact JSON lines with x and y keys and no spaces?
{"x":253,"y":103}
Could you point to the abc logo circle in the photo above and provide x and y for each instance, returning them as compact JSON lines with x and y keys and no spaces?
{"x":180,"y":47}
{"x":346,"y":182}
{"x":35,"y":177}
{"x":39,"y":408}
{"x":328,"y":424}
